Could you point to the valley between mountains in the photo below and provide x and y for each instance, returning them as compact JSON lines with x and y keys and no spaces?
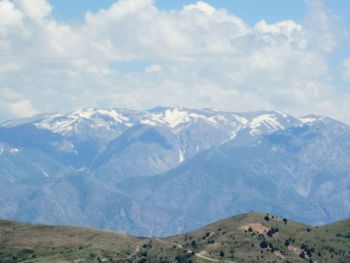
{"x":167,"y":171}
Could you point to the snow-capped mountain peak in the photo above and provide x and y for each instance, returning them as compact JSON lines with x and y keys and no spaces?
{"x":268,"y":121}
{"x":171,"y":117}
{"x":89,"y":118}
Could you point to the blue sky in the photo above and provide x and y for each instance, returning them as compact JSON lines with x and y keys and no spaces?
{"x":234,"y":55}
{"x":250,"y":10}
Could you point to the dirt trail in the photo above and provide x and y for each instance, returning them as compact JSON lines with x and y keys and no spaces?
{"x":199,"y":255}
{"x":206,"y":258}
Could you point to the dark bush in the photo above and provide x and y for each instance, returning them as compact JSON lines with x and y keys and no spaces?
{"x":272,"y":231}
{"x":194,"y":244}
{"x":263,"y":244}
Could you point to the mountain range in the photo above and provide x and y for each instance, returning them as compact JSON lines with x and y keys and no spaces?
{"x":166,"y":171}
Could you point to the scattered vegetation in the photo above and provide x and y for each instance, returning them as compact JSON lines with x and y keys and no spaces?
{"x":246,"y":238}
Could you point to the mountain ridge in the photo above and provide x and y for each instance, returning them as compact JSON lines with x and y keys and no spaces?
{"x":252,"y":237}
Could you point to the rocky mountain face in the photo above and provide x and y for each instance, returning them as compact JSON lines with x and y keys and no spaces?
{"x":170,"y":170}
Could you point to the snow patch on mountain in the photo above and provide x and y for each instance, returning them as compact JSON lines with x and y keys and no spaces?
{"x":233,"y":135}
{"x":57,"y":123}
{"x":114,"y":114}
{"x":177,"y":117}
{"x":149,"y":122}
{"x":242,"y":120}
{"x":268,"y":120}
{"x":181,"y":156}
{"x":65,"y":123}
{"x":310,"y":119}
{"x":14,"y":150}
{"x":6,"y":149}
{"x":172,"y":117}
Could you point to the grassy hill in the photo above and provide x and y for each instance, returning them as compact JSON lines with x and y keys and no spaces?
{"x":246,"y":238}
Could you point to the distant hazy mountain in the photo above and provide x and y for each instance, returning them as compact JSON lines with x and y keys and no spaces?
{"x":169,"y":170}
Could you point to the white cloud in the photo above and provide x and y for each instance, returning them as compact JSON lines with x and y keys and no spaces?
{"x":35,"y":9}
{"x":287,"y":27}
{"x":13,"y":105}
{"x":201,"y":7}
{"x":21,"y":109}
{"x":324,"y":27}
{"x":155,"y":68}
{"x":10,"y":16}
{"x":203,"y":57}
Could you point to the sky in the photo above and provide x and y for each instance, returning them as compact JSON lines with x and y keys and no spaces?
{"x":233,"y":55}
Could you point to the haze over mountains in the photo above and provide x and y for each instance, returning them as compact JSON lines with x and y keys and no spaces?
{"x":171,"y":170}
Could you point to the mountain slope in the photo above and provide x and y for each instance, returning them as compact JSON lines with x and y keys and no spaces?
{"x":141,"y":151}
{"x":245,"y":238}
{"x":300,"y":172}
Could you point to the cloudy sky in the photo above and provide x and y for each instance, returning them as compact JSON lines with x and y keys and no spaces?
{"x":234,"y":55}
